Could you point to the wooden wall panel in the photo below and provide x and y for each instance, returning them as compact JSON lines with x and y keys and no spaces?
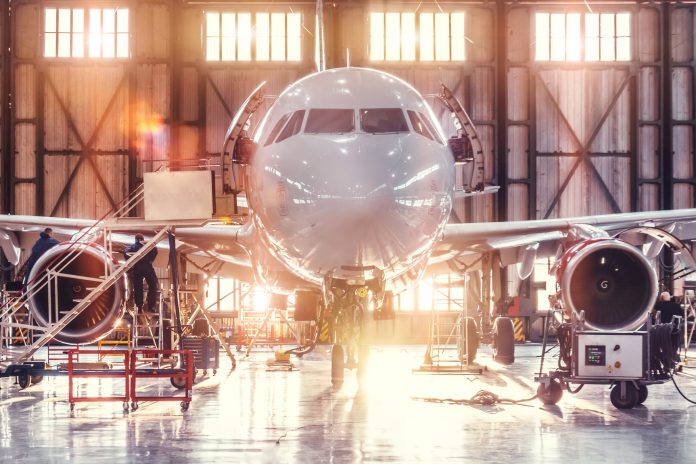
{"x":481,"y":24}
{"x":25,"y":151}
{"x":152,"y":116}
{"x":682,"y":93}
{"x":24,"y":199}
{"x":683,"y":196}
{"x":648,"y":197}
{"x":518,"y":155}
{"x":519,"y":37}
{"x":26,"y":26}
{"x":649,"y":152}
{"x":649,"y":93}
{"x":682,"y":34}
{"x":517,"y":201}
{"x":153,"y":28}
{"x":649,"y":37}
{"x":518,"y":94}
{"x":59,"y":167}
{"x":683,"y":149}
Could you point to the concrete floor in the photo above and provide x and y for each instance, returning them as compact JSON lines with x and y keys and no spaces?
{"x":254,"y":414}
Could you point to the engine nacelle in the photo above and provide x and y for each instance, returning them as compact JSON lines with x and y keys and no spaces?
{"x":610,"y":280}
{"x":51,"y":302}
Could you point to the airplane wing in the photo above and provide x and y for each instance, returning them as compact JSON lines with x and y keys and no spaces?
{"x":516,"y":239}
{"x":210,"y":249}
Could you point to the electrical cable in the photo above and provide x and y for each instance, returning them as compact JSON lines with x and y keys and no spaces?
{"x":680,"y":392}
{"x":482,"y":397}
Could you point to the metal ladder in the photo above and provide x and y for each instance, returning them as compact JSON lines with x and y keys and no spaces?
{"x":438,"y":351}
{"x":11,"y":307}
{"x":53,"y":329}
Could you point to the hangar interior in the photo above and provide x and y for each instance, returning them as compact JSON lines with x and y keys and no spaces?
{"x":564,"y":135}
{"x":581,"y":108}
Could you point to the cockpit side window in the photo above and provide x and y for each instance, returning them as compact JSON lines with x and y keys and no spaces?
{"x":279,"y":125}
{"x":292,"y":127}
{"x":330,"y":121}
{"x":430,"y":127}
{"x":382,"y":120}
{"x":418,"y":125}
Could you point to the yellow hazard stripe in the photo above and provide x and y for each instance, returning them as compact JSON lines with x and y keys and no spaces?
{"x":325,"y":332}
{"x":520,"y":329}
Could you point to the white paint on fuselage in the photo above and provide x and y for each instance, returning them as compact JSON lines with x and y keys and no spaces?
{"x":323,"y":201}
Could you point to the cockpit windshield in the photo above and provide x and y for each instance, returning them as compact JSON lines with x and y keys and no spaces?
{"x":330,"y":121}
{"x":383,"y":120}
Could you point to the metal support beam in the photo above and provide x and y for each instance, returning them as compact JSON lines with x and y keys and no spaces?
{"x":666,"y":149}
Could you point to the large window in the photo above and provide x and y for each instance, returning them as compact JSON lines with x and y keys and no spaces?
{"x":425,"y":36}
{"x":79,"y":32}
{"x":271,"y":36}
{"x":588,"y":36}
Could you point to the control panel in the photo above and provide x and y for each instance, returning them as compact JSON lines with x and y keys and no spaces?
{"x":609,"y":354}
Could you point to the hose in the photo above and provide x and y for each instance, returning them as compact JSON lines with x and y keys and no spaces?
{"x":482,"y":397}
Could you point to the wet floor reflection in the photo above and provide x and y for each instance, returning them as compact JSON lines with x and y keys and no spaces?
{"x":257,"y":415}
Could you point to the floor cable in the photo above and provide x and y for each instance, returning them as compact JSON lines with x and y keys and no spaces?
{"x":482,"y":397}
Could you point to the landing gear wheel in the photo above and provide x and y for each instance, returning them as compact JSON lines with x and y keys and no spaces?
{"x":125,"y":406}
{"x":214,"y":371}
{"x":36,"y":379}
{"x":337,"y":365}
{"x":184,"y":406}
{"x":72,"y":407}
{"x":642,"y":393}
{"x":552,"y":394}
{"x":503,"y":341}
{"x":628,"y":401}
{"x":134,"y":406}
{"x":363,"y":357}
{"x":24,"y":381}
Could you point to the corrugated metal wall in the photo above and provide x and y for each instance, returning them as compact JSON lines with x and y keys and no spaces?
{"x":560,"y":139}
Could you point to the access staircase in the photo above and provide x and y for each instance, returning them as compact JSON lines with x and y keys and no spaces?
{"x":12,"y":307}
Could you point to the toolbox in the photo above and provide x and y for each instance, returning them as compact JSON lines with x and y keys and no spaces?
{"x":206,"y":351}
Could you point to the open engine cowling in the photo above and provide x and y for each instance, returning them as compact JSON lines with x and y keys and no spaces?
{"x":84,"y":262}
{"x":610,"y":280}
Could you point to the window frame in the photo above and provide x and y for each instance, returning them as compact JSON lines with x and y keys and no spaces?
{"x":86,"y":7}
{"x":582,"y":61}
{"x":466,"y":48}
{"x":304,"y":51}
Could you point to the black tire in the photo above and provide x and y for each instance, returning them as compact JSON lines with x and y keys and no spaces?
{"x":470,"y":339}
{"x":363,"y":357}
{"x":36,"y":379}
{"x":134,"y":406}
{"x":337,"y":364}
{"x":629,"y":401}
{"x":642,"y":393}
{"x":503,"y":341}
{"x":178,"y":382}
{"x":184,"y":406}
{"x":552,"y":394}
{"x":24,"y":381}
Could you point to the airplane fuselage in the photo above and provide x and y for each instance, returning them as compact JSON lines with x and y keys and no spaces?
{"x":351,"y":172}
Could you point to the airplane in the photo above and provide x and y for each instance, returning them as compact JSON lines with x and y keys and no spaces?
{"x":350,"y":184}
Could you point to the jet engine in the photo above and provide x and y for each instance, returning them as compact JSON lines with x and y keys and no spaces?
{"x":78,"y":268}
{"x":611,"y":281}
